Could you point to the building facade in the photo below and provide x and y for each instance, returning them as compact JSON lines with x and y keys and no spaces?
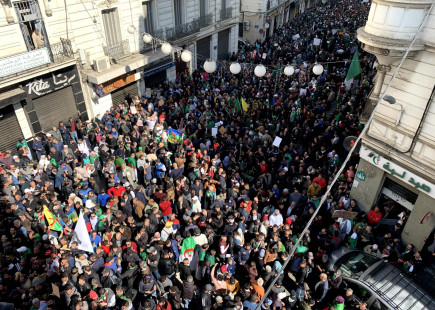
{"x":88,"y":55}
{"x":259,"y":18}
{"x":397,"y":166}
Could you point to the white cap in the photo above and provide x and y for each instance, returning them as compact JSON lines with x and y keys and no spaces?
{"x":375,"y":246}
{"x":22,"y":249}
{"x":49,"y":135}
{"x":195,"y":198}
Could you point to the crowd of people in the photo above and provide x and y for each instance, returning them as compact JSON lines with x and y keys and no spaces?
{"x":209,"y":219}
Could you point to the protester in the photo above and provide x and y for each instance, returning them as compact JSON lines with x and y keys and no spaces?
{"x":182,"y":199}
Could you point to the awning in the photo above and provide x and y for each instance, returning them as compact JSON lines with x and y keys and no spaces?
{"x":12,"y":96}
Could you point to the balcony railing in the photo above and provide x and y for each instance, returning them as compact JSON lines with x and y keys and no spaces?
{"x":33,"y":60}
{"x":117,"y":50}
{"x":206,"y":20}
{"x":226,"y":14}
{"x":62,"y":51}
{"x":181,"y":31}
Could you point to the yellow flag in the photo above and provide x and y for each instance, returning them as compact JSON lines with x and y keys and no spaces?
{"x":52,"y":222}
{"x":244,"y":105}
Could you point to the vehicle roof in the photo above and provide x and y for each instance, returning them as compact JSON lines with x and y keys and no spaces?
{"x":398,"y":290}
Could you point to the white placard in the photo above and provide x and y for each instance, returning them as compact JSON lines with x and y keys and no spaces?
{"x":214,"y":131}
{"x":317,"y":41}
{"x":296,"y":37}
{"x":277,"y":141}
{"x":25,"y":61}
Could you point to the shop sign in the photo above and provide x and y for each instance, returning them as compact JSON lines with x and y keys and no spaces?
{"x":118,"y":83}
{"x":50,"y":83}
{"x":274,"y":13}
{"x":361,"y":175}
{"x":398,"y":172}
{"x":25,"y":61}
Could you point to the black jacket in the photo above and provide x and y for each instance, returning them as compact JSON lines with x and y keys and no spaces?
{"x":166,"y":266}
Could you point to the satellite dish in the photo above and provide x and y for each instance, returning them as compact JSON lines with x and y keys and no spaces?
{"x":349,"y":142}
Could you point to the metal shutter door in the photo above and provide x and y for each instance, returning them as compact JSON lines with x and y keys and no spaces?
{"x":223,"y":44}
{"x":119,"y":95}
{"x":203,"y":49}
{"x":10,"y":130}
{"x":55,"y":107}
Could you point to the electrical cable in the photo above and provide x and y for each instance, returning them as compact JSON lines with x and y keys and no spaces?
{"x":329,"y":188}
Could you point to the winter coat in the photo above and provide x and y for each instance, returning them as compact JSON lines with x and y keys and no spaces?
{"x":188,"y":290}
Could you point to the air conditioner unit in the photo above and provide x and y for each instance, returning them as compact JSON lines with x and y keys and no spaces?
{"x":247,"y":25}
{"x":101,"y":64}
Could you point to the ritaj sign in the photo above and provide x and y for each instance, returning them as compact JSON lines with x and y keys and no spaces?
{"x":49,"y":83}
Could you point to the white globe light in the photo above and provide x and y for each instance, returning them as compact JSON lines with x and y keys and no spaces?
{"x":186,"y":56}
{"x":166,"y":48}
{"x":131,"y":29}
{"x":235,"y":68}
{"x":147,"y":38}
{"x":210,"y":66}
{"x":260,"y":70}
{"x":318,"y":69}
{"x":289,"y":70}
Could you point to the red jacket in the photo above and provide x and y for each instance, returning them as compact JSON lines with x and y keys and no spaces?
{"x":166,"y":208}
{"x":374,"y":217}
{"x":118,"y":192}
{"x":322,"y":182}
{"x":164,"y":307}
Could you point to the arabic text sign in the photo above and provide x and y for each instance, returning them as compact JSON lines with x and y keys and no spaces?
{"x":397,"y":171}
{"x":25,"y":61}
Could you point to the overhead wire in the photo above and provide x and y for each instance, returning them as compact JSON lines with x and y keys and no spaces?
{"x":338,"y":173}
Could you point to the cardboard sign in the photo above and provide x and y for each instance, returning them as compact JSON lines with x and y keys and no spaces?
{"x":222,"y":130}
{"x":277,"y":141}
{"x":56,"y":291}
{"x":345,"y":215}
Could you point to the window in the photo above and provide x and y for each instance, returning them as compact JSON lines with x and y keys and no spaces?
{"x":30,"y":18}
{"x":203,"y":8}
{"x":111,"y":27}
{"x":224,"y":4}
{"x":178,"y":12}
{"x":148,"y":14}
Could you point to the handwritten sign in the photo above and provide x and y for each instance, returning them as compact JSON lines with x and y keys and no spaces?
{"x":114,"y":84}
{"x":25,"y":61}
{"x":398,"y":172}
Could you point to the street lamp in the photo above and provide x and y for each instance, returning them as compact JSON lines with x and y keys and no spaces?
{"x":392,"y":100}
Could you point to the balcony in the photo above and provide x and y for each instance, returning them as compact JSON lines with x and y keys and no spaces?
{"x":206,"y":20}
{"x":226,"y":14}
{"x":117,"y":50}
{"x":181,"y":31}
{"x":24,"y":63}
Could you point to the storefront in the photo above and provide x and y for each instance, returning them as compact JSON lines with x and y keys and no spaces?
{"x":54,"y":97}
{"x":399,"y":193}
{"x":114,"y":92}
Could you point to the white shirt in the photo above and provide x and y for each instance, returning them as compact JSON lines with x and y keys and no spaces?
{"x":276,"y":220}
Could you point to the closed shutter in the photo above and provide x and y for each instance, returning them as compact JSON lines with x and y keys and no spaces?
{"x":223,"y":44}
{"x":203,"y":49}
{"x":10,"y":130}
{"x":400,"y":190}
{"x":55,"y":107}
{"x":119,"y":95}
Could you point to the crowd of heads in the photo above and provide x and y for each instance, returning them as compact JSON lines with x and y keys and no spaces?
{"x":207,"y":221}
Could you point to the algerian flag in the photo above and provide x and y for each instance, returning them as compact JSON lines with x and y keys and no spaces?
{"x":82,"y":235}
{"x":52,"y":221}
{"x":237,"y":105}
{"x":355,"y":67}
{"x":187,"y":249}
